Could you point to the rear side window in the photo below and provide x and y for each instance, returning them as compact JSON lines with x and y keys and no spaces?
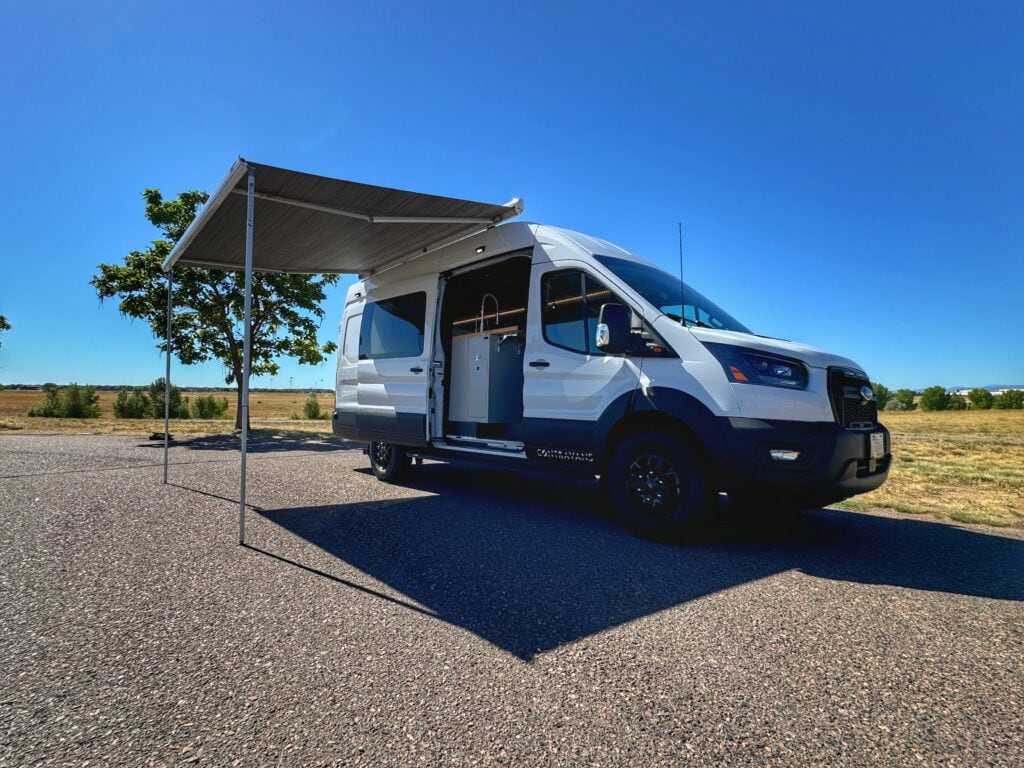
{"x":350,"y":348}
{"x":393,"y":327}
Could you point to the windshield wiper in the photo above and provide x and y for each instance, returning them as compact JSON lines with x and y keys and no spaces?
{"x":687,"y":323}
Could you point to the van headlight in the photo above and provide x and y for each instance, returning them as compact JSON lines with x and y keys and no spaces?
{"x":751,"y":366}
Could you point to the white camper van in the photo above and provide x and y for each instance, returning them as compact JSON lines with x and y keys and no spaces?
{"x":539,"y":347}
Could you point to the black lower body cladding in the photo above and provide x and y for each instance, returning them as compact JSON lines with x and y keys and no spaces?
{"x":834,"y":463}
{"x":398,"y":427}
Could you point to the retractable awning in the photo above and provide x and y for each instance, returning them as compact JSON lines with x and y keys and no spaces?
{"x":309,"y":223}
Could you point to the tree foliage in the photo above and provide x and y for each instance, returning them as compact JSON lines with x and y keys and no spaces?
{"x":131,"y":404}
{"x":4,"y":326}
{"x":980,"y":398}
{"x":209,"y":407}
{"x":179,"y":404}
{"x":906,"y":398}
{"x":956,"y":403}
{"x":882,"y":394}
{"x":148,"y":403}
{"x":1011,"y":398}
{"x":70,"y":402}
{"x":934,"y":399}
{"x":207,"y":322}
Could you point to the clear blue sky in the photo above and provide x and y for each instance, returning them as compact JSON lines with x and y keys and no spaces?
{"x":850,"y":175}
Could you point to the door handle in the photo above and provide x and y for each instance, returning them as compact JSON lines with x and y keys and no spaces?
{"x":416,"y":369}
{"x":539,"y":363}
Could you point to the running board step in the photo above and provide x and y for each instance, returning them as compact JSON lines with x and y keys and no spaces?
{"x":490,"y":444}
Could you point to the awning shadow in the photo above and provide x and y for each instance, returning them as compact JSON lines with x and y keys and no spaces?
{"x":525,"y":562}
{"x":264,"y":441}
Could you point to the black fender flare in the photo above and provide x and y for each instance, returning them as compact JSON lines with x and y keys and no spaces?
{"x":685,"y":411}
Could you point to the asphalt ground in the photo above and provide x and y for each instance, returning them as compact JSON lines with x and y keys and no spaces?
{"x":476,"y":618}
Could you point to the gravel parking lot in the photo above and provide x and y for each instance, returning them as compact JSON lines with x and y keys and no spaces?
{"x":472,"y":617}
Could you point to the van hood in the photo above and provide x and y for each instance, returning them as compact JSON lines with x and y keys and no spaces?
{"x":809,"y":355}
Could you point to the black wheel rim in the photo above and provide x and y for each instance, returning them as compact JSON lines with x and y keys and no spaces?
{"x":653,"y":485}
{"x":382,"y":455}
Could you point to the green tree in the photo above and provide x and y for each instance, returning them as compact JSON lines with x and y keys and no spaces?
{"x":208,"y":303}
{"x":882,"y":394}
{"x":70,"y":402}
{"x":1011,"y":398}
{"x":957,"y":403}
{"x":179,"y":404}
{"x":980,"y":398}
{"x":4,"y":325}
{"x":934,"y":399}
{"x":131,"y":404}
{"x":906,"y":398}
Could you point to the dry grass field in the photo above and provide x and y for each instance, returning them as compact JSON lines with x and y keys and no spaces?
{"x":966,"y":466}
{"x":269,"y":410}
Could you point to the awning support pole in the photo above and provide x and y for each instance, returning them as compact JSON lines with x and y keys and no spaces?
{"x":167,"y":373}
{"x":250,"y":209}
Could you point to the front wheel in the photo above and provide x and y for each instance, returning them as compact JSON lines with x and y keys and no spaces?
{"x":659,"y":486}
{"x":388,"y":461}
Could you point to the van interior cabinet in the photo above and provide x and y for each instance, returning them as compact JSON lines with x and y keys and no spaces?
{"x":487,"y":377}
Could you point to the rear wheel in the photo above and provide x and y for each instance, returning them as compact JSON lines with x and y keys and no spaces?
{"x":659,"y":486}
{"x":388,"y":461}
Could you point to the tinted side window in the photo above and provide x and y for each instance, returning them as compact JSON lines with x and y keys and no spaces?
{"x":572,"y":305}
{"x":393,"y":327}
{"x":563,"y":310}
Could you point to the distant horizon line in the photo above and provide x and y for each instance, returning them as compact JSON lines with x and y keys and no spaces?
{"x":197,"y":387}
{"x":233,"y":388}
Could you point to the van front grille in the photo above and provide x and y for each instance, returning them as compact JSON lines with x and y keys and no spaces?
{"x":850,"y":409}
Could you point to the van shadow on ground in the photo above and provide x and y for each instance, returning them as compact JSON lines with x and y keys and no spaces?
{"x":527,"y":563}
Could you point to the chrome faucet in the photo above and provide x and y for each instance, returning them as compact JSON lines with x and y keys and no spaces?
{"x":497,"y":310}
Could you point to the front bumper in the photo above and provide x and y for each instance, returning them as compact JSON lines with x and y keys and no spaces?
{"x":834,"y":462}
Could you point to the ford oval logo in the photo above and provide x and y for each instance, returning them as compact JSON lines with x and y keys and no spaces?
{"x":866,"y":393}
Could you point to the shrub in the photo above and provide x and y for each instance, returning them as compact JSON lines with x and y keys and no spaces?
{"x":906,"y":397}
{"x":895,"y":405}
{"x":1011,"y":398}
{"x":957,"y":403}
{"x":934,"y":399}
{"x":980,"y":398}
{"x":311,"y":408}
{"x":71,"y":402}
{"x":882,"y":394}
{"x":179,"y":405}
{"x":131,"y":405}
{"x":209,"y":407}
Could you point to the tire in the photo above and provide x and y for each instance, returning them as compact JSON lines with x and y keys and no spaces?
{"x":659,"y":486}
{"x":388,"y":462}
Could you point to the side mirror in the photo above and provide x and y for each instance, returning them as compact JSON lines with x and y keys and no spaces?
{"x":612,"y":328}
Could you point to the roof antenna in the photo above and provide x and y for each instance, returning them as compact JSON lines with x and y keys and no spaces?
{"x":682,"y":285}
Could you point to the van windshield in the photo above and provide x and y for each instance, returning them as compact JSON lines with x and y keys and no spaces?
{"x":664,"y":291}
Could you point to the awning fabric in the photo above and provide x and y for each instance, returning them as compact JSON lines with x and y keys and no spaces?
{"x":308,"y":223}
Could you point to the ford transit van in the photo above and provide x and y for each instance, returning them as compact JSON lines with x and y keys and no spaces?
{"x":537,"y":347}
